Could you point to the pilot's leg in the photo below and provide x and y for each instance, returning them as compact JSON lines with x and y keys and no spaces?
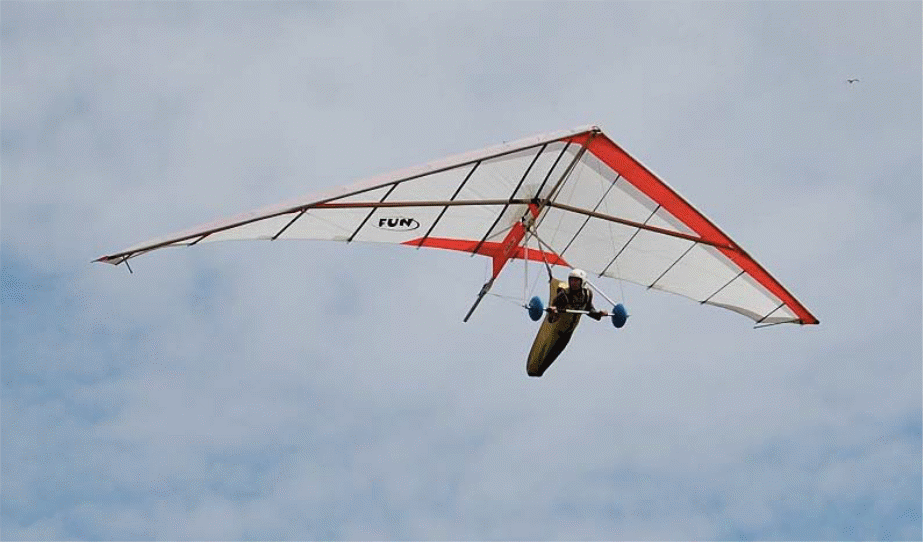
{"x":557,"y":347}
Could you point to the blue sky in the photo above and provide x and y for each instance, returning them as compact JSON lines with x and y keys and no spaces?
{"x":304,"y":390}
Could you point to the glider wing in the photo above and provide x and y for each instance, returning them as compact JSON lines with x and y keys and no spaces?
{"x":594,"y":205}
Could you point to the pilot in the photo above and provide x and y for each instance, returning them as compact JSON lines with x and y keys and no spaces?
{"x":575,"y":297}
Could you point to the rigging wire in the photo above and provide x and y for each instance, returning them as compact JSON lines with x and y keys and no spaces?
{"x":508,"y":298}
{"x":618,"y":273}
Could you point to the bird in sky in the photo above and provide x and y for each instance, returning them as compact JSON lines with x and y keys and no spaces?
{"x":851,"y":81}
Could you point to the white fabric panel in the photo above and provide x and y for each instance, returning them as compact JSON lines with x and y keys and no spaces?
{"x":367,"y":196}
{"x":559,"y":169}
{"x":434,"y":187}
{"x":141,"y":248}
{"x":647,"y":256}
{"x":596,"y":244}
{"x":698,"y":274}
{"x":497,"y":178}
{"x":782,"y":315}
{"x":597,"y":169}
{"x":558,"y":227}
{"x":492,"y":179}
{"x":584,"y":188}
{"x":663,"y":219}
{"x":440,"y":186}
{"x":746,"y":296}
{"x":626,"y":201}
{"x":386,"y":224}
{"x":261,"y":229}
{"x":469,"y":222}
{"x":740,"y":310}
{"x":327,"y":224}
{"x":324,"y":224}
{"x":540,"y":170}
{"x":592,"y":186}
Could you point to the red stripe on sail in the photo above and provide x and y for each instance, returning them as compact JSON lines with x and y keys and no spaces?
{"x":487,"y":249}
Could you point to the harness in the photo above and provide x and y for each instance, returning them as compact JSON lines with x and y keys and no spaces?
{"x":576,"y":300}
{"x":567,"y":323}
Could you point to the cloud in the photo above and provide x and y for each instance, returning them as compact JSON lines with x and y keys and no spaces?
{"x":303,"y":390}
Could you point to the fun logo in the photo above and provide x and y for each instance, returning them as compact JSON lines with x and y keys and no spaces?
{"x":398,"y":223}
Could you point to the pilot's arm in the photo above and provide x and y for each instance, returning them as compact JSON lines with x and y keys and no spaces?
{"x":558,"y":304}
{"x":593,"y":313}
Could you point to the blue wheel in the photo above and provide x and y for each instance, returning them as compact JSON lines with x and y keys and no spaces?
{"x":536,"y":309}
{"x":619,"y":315}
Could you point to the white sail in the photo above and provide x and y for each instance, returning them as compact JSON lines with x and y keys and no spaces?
{"x":594,"y":206}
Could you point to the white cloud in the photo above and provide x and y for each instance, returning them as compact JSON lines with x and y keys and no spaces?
{"x":302,"y":390}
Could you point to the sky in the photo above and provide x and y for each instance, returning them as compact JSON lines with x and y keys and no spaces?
{"x":310,"y":390}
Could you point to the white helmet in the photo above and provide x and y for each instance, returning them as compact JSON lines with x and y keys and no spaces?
{"x":578,"y":273}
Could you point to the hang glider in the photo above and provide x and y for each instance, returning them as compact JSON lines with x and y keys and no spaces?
{"x":584,"y":199}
